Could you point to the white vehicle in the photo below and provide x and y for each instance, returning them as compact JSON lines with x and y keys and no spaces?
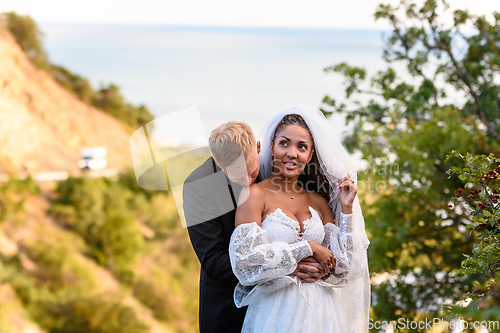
{"x":93,"y":158}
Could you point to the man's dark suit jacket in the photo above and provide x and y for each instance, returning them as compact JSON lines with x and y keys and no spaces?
{"x":210,"y":240}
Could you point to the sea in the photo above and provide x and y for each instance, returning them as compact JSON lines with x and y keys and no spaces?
{"x":229,"y":73}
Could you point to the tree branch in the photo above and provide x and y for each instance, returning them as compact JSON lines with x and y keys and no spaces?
{"x":462,"y":73}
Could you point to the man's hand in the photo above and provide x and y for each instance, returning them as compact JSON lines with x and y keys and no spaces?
{"x":309,"y":270}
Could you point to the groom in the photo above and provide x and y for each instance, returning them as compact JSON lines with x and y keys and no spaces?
{"x":210,"y":201}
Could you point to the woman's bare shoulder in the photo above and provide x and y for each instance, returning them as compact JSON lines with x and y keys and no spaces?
{"x":253,"y":192}
{"x":250,"y":205}
{"x":316,"y":198}
{"x":321,"y":205}
{"x":264,"y":184}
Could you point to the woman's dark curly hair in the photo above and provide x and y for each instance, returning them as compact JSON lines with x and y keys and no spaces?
{"x":312,"y":177}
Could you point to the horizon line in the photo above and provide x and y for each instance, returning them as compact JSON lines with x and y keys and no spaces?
{"x":139,"y":24}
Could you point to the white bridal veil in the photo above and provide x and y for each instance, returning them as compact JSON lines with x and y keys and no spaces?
{"x":335,"y":164}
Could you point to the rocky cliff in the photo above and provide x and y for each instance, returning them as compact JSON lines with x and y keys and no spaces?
{"x":43,"y":126}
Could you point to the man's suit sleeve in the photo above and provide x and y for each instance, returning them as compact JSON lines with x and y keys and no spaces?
{"x":206,"y":233}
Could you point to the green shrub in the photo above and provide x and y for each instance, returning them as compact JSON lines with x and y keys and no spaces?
{"x":74,"y":83}
{"x":159,"y":301}
{"x":166,"y":295}
{"x":58,"y":269}
{"x":110,"y":100}
{"x":99,"y":210}
{"x":127,"y":179}
{"x":162,"y":216}
{"x":480,"y":196}
{"x":97,"y":314}
{"x":13,"y":195}
{"x":80,"y":206}
{"x":122,"y":242}
{"x":29,"y":37}
{"x":69,"y":312}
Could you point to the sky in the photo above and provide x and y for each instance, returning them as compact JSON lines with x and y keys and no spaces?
{"x":167,"y":82}
{"x":353,"y":14}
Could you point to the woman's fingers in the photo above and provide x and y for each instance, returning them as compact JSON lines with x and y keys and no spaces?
{"x":341,"y":181}
{"x":348,"y":185}
{"x":345,"y":181}
{"x":324,"y":255}
{"x":326,"y":265}
{"x":330,"y":263}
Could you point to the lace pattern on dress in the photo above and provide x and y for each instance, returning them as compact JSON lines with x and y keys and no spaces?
{"x":281,"y":227}
{"x":341,"y":242}
{"x":255,"y":259}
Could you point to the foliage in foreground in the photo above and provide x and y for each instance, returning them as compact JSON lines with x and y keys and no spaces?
{"x":404,"y":123}
{"x":480,"y":199}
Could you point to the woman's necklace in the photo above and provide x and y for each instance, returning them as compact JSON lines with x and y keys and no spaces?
{"x":291,"y":196}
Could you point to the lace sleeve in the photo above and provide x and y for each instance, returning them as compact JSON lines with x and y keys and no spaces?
{"x":346,"y":248}
{"x":255,"y":259}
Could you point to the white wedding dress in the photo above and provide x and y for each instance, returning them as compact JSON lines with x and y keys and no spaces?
{"x":265,"y":256}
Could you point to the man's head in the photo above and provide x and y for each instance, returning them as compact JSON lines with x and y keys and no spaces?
{"x":235,"y":150}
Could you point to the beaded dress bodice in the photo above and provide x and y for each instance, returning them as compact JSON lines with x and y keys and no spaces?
{"x":282,"y":228}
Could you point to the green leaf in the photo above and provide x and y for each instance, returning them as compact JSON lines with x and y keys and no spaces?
{"x":403,"y":118}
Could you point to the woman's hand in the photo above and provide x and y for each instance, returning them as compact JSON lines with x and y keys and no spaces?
{"x":348,"y":191}
{"x":309,"y":270}
{"x":324,"y":256}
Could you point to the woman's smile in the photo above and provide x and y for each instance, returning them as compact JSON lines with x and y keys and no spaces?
{"x":291,"y":150}
{"x":290,"y":165}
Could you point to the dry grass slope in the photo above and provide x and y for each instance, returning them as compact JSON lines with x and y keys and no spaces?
{"x":42,"y":125}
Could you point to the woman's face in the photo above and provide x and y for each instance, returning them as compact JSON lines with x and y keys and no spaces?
{"x":292,"y":150}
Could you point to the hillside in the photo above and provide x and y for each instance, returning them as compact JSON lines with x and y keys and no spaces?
{"x":21,"y":240}
{"x":89,"y":249}
{"x":84,"y":254}
{"x":43,"y":126}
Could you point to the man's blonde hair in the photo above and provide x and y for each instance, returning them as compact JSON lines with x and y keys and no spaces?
{"x":227,"y":142}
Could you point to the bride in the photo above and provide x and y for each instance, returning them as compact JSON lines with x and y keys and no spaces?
{"x":305,"y":207}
